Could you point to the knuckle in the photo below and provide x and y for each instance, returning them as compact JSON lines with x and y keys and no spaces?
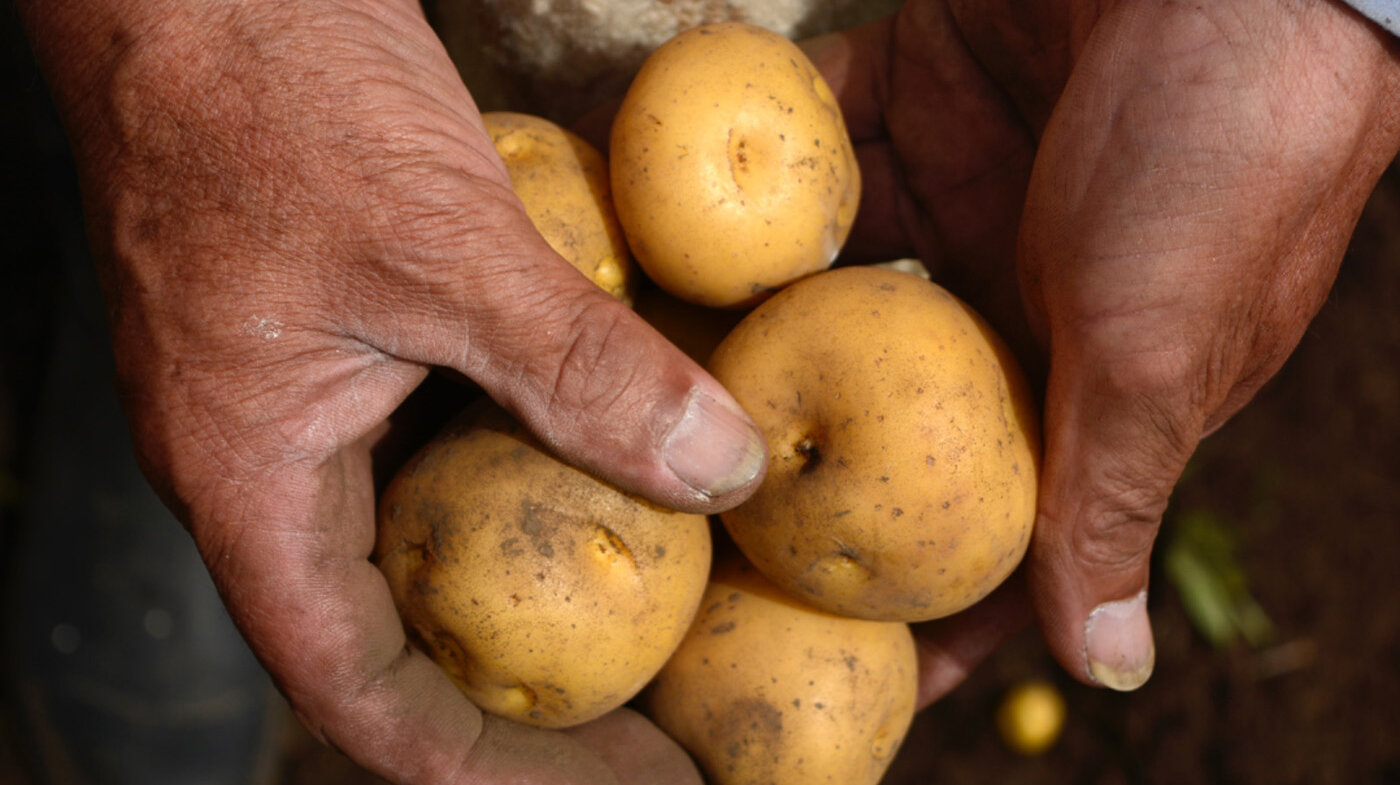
{"x":1120,"y":526}
{"x":1159,"y":395}
{"x":585,"y":372}
{"x":1145,"y":444}
{"x":597,"y":365}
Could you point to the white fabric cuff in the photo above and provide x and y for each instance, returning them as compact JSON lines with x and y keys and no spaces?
{"x":1385,"y":13}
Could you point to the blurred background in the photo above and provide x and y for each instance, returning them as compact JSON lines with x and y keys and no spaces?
{"x":1275,"y":595}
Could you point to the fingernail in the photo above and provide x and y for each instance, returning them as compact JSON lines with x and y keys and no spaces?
{"x":713,"y":448}
{"x":1118,"y":643}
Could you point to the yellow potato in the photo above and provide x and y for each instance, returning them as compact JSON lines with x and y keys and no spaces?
{"x":1031,"y":717}
{"x":904,"y":449}
{"x":767,"y":691}
{"x":731,"y":166}
{"x":563,"y":182}
{"x":548,"y":596}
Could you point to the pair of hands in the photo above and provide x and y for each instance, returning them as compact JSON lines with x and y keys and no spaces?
{"x":298,"y":215}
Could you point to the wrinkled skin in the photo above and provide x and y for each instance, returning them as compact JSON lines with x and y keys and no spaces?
{"x":1184,"y":179}
{"x":298,"y":214}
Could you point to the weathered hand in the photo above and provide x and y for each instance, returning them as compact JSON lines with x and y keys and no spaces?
{"x":1171,"y":186}
{"x":298,"y":215}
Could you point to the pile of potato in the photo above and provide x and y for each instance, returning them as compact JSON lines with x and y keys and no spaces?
{"x":903,"y":452}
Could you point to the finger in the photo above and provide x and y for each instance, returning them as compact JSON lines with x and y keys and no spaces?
{"x":637,"y":750}
{"x":882,"y":229}
{"x":590,"y":378}
{"x":1130,"y":321}
{"x":950,"y":648}
{"x":855,"y":63}
{"x":1117,"y":440}
{"x":945,"y":155}
{"x":510,"y":752}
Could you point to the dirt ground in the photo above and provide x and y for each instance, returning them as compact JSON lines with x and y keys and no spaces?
{"x":1307,"y":479}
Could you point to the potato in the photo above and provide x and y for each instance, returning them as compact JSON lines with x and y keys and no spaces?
{"x":767,"y":691}
{"x":731,"y":166}
{"x":1031,"y":717}
{"x":563,"y":182}
{"x":548,"y":596}
{"x":904,"y":448}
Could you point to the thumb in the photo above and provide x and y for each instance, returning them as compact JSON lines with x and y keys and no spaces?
{"x":1118,"y":435}
{"x":592,"y":380}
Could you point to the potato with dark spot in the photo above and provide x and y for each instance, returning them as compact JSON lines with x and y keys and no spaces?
{"x":904,"y":446}
{"x":732,"y":169}
{"x":563,"y":182}
{"x":765,"y":690}
{"x":548,"y":596}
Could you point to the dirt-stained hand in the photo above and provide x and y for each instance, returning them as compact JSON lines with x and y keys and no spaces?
{"x":1151,"y":199}
{"x":298,"y":214}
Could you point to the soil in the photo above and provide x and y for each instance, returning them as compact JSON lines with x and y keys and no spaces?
{"x":1307,"y":478}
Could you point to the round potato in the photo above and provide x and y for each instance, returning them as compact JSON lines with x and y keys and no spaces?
{"x":1031,"y":717}
{"x":563,"y":182}
{"x":548,"y":596}
{"x":731,"y":166}
{"x":767,"y":691}
{"x":904,"y":448}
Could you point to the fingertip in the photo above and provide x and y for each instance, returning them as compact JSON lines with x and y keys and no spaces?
{"x":1096,"y":624}
{"x":714,"y":449}
{"x":1119,"y":652}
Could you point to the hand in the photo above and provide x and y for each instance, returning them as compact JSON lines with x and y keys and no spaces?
{"x":1153,"y":198}
{"x":298,"y":214}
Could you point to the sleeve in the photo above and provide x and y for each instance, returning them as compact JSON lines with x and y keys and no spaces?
{"x":1385,"y":13}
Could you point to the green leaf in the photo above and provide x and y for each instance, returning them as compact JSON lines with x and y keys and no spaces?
{"x":1200,"y":563}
